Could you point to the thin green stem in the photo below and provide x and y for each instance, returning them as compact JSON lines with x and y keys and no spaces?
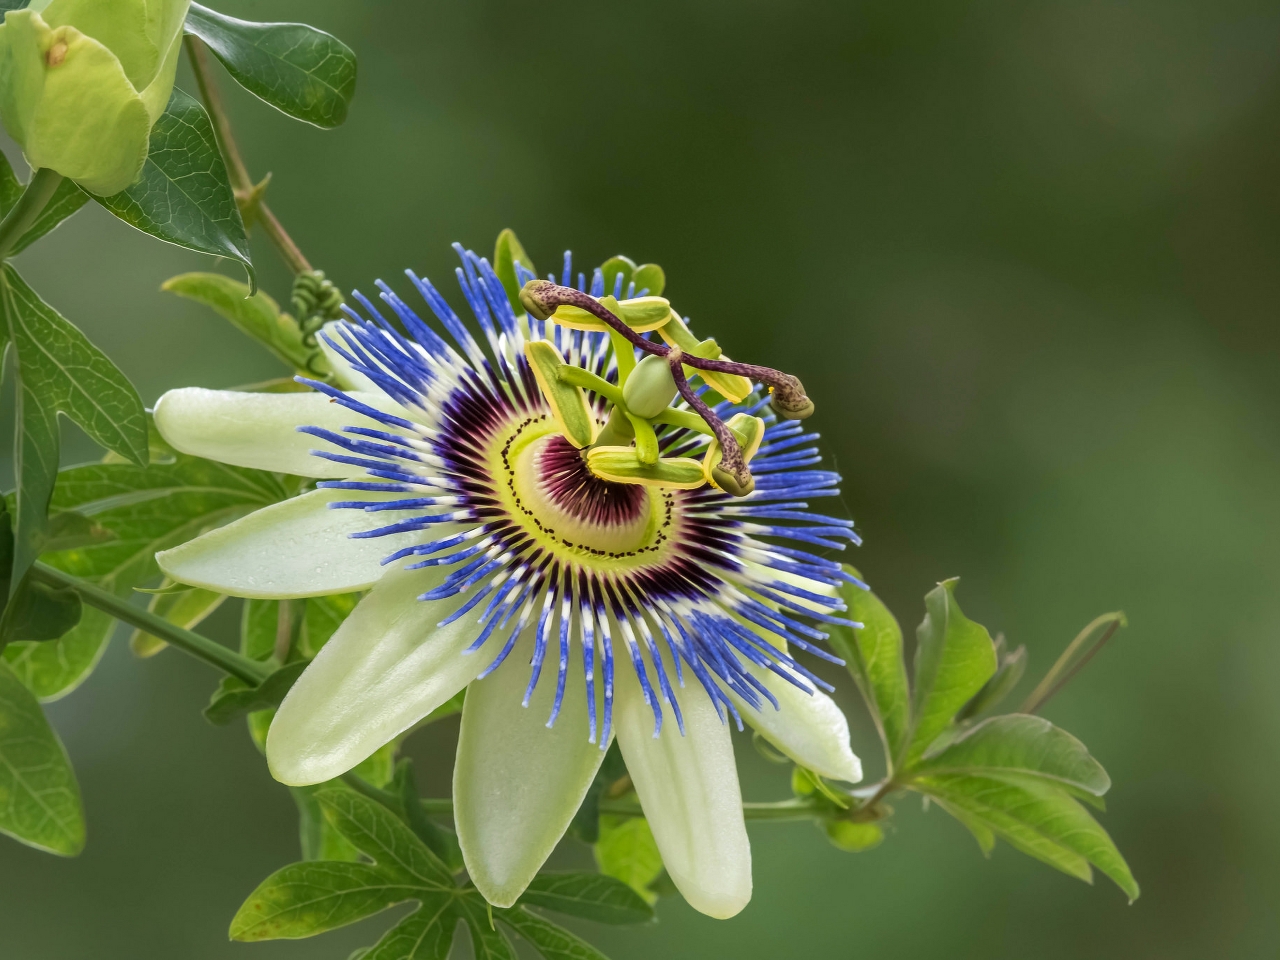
{"x":577,"y":377}
{"x":23,"y":214}
{"x":1072,"y":661}
{"x":241,"y":183}
{"x":211,"y":652}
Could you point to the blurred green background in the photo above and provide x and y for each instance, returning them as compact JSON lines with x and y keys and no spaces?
{"x":1024,"y":256}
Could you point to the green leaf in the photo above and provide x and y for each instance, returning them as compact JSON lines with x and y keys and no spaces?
{"x":1012,"y":666}
{"x":486,"y":942}
{"x":39,"y":797}
{"x":60,"y":371}
{"x":10,"y":185}
{"x":318,"y":839}
{"x":873,"y":655}
{"x":1020,"y":744}
{"x":1075,"y":658}
{"x":255,"y":314}
{"x":39,"y":612}
{"x":627,"y":851}
{"x":259,"y":622}
{"x":1037,"y":818}
{"x":145,"y":510}
{"x":612,"y":268}
{"x":551,"y":940}
{"x":426,"y":934}
{"x":507,"y":252}
{"x":954,"y":658}
{"x":185,"y":608}
{"x":380,"y":835}
{"x":299,"y":70}
{"x":182,"y":195}
{"x":981,"y":832}
{"x":67,"y":199}
{"x":69,"y":529}
{"x":592,"y":896}
{"x":650,"y":278}
{"x":440,"y":840}
{"x":586,"y":822}
{"x":234,"y":697}
{"x":322,"y":618}
{"x":304,"y":899}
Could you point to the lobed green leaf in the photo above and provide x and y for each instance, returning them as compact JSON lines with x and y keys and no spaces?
{"x":551,"y":940}
{"x":1037,"y":818}
{"x":234,"y":697}
{"x":184,"y":608}
{"x":592,"y":896}
{"x":954,"y":658}
{"x":299,"y":70}
{"x":873,"y":654}
{"x":627,"y":851}
{"x":487,"y":943}
{"x":426,"y":934}
{"x":145,"y":510}
{"x":254,"y":314}
{"x":182,"y":195}
{"x":1020,"y":744}
{"x":39,"y":798}
{"x":67,"y":199}
{"x":59,"y":371}
{"x":380,"y":835}
{"x":304,"y":899}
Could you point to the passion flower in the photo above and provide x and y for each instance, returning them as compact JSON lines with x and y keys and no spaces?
{"x":533,"y":526}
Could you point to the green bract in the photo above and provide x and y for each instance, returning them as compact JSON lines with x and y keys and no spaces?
{"x":81,"y":83}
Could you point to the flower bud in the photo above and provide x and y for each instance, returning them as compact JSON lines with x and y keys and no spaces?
{"x":650,"y":388}
{"x":82,"y":81}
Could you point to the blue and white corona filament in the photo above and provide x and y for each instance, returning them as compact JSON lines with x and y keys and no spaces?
{"x":537,"y":521}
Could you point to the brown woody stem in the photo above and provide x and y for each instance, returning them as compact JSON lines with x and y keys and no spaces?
{"x":241,"y":183}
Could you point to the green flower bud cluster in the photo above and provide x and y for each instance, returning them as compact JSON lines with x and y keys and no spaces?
{"x":83,"y":81}
{"x":314,"y":301}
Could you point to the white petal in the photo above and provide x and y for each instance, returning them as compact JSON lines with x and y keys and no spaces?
{"x":385,"y":668}
{"x":688,"y":787}
{"x":297,"y":548}
{"x":517,"y":784}
{"x":348,"y":378}
{"x":808,"y":728}
{"x":257,"y":430}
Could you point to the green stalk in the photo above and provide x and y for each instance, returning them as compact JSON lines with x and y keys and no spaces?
{"x":211,"y":652}
{"x":23,"y":214}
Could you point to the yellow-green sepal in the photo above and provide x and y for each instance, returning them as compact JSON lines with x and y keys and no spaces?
{"x":728,"y":385}
{"x":507,"y":252}
{"x":623,"y":465}
{"x":78,"y":115}
{"x":614,"y":266}
{"x":748,"y":431}
{"x":651,"y":278}
{"x":568,"y":403}
{"x":139,"y":33}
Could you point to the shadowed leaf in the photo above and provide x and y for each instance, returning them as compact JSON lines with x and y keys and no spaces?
{"x":182,"y":195}
{"x":299,"y":70}
{"x":39,"y":797}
